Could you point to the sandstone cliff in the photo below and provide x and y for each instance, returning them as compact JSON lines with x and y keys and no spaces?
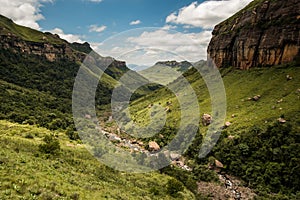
{"x":265,"y":33}
{"x":24,"y":40}
{"x":20,"y":39}
{"x":50,"y":51}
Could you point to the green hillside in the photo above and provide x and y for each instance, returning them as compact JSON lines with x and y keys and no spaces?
{"x":41,"y":155}
{"x":70,"y":173}
{"x":249,"y":118}
{"x":27,"y":34}
{"x":165,"y":72}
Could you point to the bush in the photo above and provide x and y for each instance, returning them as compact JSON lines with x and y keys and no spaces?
{"x":51,"y":145}
{"x":174,"y":186}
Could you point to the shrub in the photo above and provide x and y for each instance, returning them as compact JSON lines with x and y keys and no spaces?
{"x":174,"y":186}
{"x":51,"y":145}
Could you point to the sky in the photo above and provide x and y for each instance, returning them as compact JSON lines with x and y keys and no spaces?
{"x":140,"y":32}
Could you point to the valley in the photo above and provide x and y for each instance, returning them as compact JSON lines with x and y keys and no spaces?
{"x":55,"y":145}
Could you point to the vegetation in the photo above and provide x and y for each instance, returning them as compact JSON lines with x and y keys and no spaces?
{"x":261,"y":156}
{"x":27,"y":173}
{"x":41,"y":156}
{"x":267,"y":160}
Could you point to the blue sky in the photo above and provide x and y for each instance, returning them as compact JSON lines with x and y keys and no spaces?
{"x":121,"y":28}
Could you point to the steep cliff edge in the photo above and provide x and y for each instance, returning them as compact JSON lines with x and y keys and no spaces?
{"x":265,"y":33}
{"x":24,"y":40}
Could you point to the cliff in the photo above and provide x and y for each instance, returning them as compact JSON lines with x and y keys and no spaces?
{"x":265,"y":33}
{"x":26,"y":41}
{"x":20,"y":39}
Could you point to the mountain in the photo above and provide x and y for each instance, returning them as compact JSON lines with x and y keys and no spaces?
{"x":265,"y":33}
{"x":137,"y":67}
{"x":179,"y":66}
{"x":165,"y":72}
{"x":33,"y":61}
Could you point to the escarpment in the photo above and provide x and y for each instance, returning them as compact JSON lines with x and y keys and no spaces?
{"x":265,"y":33}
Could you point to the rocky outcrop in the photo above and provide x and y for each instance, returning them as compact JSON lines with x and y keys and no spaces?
{"x":51,"y":51}
{"x":265,"y":33}
{"x":180,"y":66}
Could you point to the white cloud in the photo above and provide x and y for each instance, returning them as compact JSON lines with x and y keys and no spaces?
{"x":207,"y":14}
{"x":150,"y":46}
{"x":136,"y":22}
{"x":69,"y":37}
{"x":96,"y":28}
{"x":23,"y":12}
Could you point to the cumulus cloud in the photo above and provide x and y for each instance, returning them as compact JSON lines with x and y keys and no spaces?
{"x":192,"y":46}
{"x":150,"y":46}
{"x":96,"y":28}
{"x":69,"y":37}
{"x":136,"y":22}
{"x":23,"y":12}
{"x":206,"y":14}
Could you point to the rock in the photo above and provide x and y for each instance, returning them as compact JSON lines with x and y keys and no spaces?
{"x":167,"y":109}
{"x":227,"y":124}
{"x":87,"y":116}
{"x":153,"y":146}
{"x":218,"y":164}
{"x":175,"y":156}
{"x":110,"y":119}
{"x":256,"y":97}
{"x":263,"y":34}
{"x":179,"y":163}
{"x":281,"y":120}
{"x":114,"y":138}
{"x":231,"y":137}
{"x":288,"y":77}
{"x":206,"y":119}
{"x":280,"y":100}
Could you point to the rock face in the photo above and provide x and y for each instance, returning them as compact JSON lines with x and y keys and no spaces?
{"x":52,"y":52}
{"x":265,"y":33}
{"x":24,"y":40}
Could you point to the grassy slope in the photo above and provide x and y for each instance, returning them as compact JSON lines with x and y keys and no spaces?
{"x":270,"y":83}
{"x":28,"y":174}
{"x":27,"y":34}
{"x":158,"y":74}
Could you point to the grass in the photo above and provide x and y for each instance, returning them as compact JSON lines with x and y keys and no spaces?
{"x":73,"y":174}
{"x":279,"y":97}
{"x":27,"y":34}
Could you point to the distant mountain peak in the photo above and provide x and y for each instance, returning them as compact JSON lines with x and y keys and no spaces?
{"x":179,"y":66}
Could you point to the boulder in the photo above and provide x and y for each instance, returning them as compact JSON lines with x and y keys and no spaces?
{"x":256,"y":98}
{"x":153,"y":146}
{"x":227,"y":124}
{"x":206,"y":119}
{"x":288,"y":77}
{"x":281,"y":120}
{"x":218,"y":164}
